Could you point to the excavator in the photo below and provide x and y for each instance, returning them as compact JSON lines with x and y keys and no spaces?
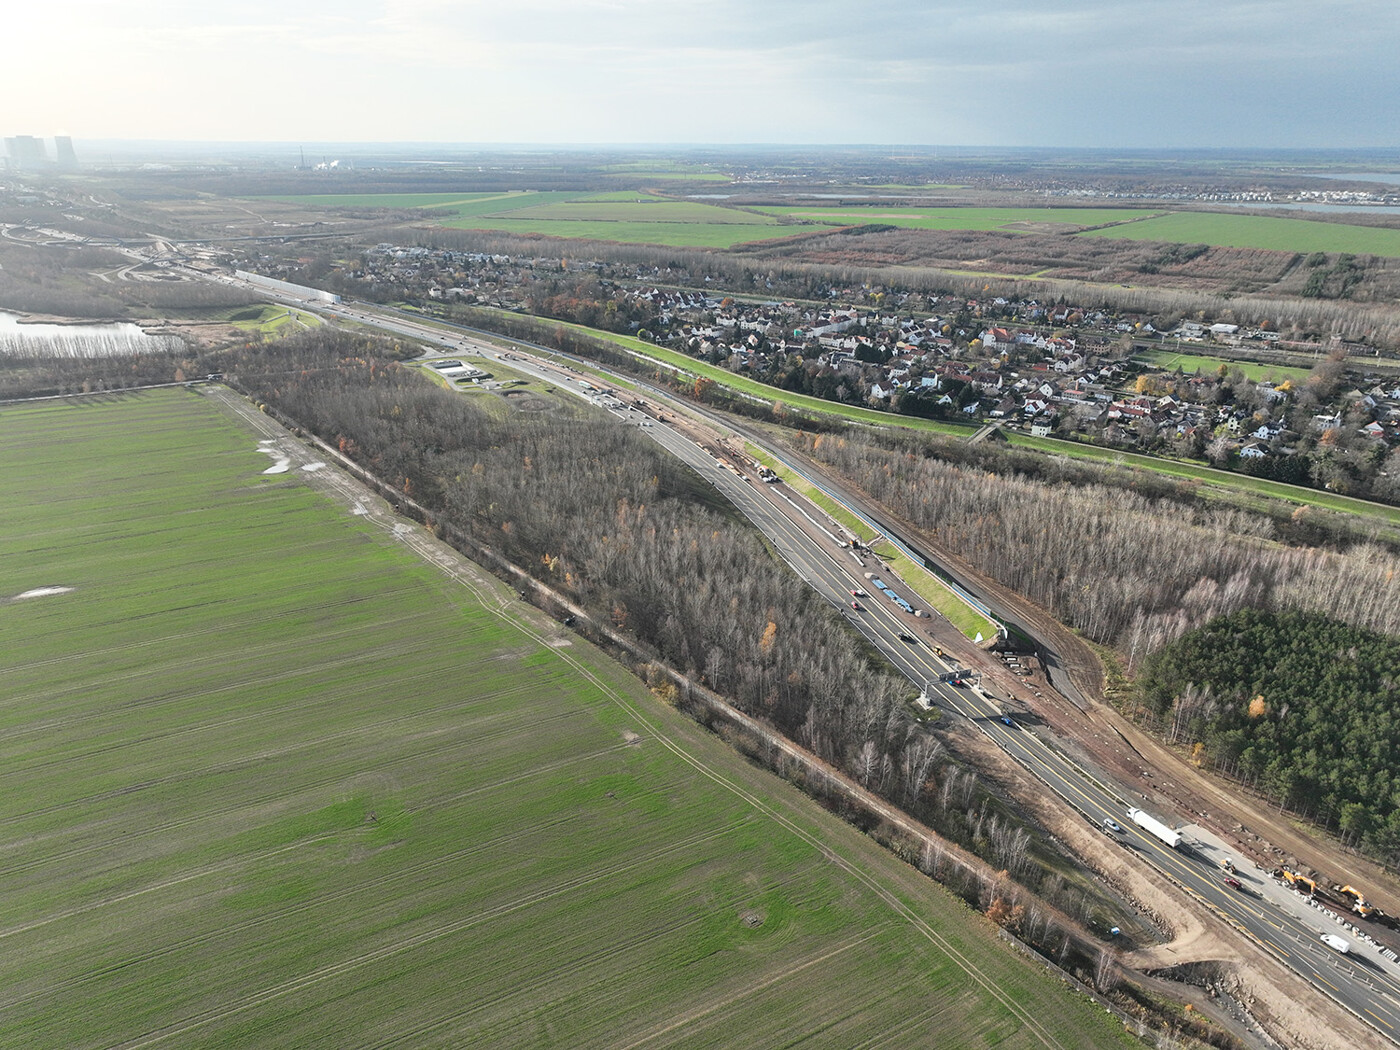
{"x":1346,"y":894}
{"x":1358,"y":902}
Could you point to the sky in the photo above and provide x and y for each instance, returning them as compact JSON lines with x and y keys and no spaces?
{"x":1067,"y":73}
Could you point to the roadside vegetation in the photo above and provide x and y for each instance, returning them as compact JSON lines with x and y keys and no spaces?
{"x":268,"y":320}
{"x":1269,"y":659}
{"x":1131,"y":570}
{"x":970,"y":622}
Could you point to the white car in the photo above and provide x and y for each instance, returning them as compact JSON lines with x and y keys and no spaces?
{"x":1112,"y":825}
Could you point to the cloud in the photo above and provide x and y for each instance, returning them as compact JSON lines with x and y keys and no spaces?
{"x":1072,"y":72}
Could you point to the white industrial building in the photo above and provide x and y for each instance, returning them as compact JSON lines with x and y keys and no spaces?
{"x":301,"y":291}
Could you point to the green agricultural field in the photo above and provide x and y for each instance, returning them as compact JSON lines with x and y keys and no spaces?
{"x":1259,"y":231}
{"x":449,"y":205}
{"x":641,"y":210}
{"x":624,"y":216}
{"x":1170,"y":361}
{"x":506,"y":204}
{"x":1005,"y":219}
{"x":394,"y":200}
{"x":622,"y":195}
{"x":672,"y":234}
{"x":272,"y":781}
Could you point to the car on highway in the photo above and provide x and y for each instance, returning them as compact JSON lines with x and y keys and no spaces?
{"x":858,"y":593}
{"x":909,"y":638}
{"x":1112,"y":825}
{"x":856,"y":606}
{"x":1233,"y":882}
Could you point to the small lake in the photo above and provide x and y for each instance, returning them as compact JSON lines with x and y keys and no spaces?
{"x":80,"y":340}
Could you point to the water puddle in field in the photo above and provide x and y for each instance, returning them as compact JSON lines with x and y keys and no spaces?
{"x":281,"y":464}
{"x":41,"y":592}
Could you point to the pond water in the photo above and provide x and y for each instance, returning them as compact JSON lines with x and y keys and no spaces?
{"x":80,"y":340}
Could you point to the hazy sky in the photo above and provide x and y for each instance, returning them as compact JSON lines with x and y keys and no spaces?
{"x":1171,"y":73}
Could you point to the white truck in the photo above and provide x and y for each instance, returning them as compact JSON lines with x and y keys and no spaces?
{"x":1154,"y":827}
{"x":1337,"y":944}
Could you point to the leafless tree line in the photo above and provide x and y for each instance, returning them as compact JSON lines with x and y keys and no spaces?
{"x":612,"y":522}
{"x":1125,"y":570}
{"x":607,"y":519}
{"x":92,"y":344}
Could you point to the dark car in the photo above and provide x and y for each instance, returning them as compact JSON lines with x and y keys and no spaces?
{"x":909,"y":638}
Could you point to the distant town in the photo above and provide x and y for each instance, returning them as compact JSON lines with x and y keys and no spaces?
{"x":1195,"y":390}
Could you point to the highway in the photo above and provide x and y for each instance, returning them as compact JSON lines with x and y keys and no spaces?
{"x":1365,"y":982}
{"x":1277,"y":920}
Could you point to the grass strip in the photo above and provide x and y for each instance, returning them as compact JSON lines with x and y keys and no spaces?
{"x":927,"y":585}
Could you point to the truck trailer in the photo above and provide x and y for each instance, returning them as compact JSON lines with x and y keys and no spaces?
{"x":1154,"y":827}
